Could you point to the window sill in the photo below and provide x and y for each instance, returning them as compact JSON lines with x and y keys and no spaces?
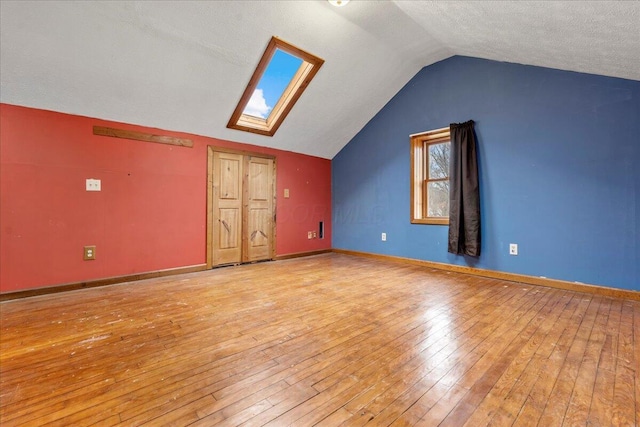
{"x":431,"y":221}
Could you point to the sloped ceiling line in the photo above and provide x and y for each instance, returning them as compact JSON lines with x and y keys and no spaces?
{"x":183,"y":65}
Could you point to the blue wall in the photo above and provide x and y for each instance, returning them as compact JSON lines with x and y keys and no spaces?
{"x":559,"y":156}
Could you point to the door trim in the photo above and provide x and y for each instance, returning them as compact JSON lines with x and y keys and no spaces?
{"x":210,"y":150}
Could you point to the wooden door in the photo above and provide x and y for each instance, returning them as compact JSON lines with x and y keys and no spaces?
{"x":258,"y":232}
{"x":241,"y":207}
{"x":227,"y":208}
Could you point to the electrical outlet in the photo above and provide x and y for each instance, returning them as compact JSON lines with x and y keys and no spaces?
{"x":513,"y":249}
{"x":309,"y":234}
{"x":89,"y":253}
{"x":315,"y":234}
{"x":286,"y":193}
{"x":384,"y":237}
{"x":93,"y":184}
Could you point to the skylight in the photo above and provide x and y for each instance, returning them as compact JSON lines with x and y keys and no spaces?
{"x":274,"y":82}
{"x":283,"y":73}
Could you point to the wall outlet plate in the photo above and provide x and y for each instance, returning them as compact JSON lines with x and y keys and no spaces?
{"x":89,"y":253}
{"x":513,"y":249}
{"x":384,"y":237}
{"x":93,"y":184}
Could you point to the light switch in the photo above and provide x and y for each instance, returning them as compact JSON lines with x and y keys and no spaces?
{"x":94,"y":184}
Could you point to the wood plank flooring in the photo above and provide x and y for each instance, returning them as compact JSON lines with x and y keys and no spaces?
{"x":328,"y":340}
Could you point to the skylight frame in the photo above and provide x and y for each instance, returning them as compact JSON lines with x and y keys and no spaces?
{"x":306,"y":72}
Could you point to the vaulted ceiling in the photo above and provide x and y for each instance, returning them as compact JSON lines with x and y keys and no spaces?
{"x":183,"y":65}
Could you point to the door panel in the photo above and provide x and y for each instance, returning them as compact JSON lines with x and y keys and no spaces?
{"x":229,"y":182}
{"x":258,"y":223}
{"x":259,"y":180}
{"x":227,"y":208}
{"x":228,"y":239}
{"x":259,"y":202}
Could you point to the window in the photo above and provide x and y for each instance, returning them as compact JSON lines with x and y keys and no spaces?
{"x":283,"y":73}
{"x":430,"y":152}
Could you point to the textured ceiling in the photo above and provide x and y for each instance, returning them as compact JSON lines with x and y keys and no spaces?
{"x":184,"y":65}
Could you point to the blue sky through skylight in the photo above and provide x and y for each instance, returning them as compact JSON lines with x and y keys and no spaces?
{"x":274,"y":81}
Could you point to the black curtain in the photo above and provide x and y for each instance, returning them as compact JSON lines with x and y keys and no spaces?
{"x":464,"y":192}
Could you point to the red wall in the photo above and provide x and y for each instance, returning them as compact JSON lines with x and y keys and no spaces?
{"x":151,"y":212}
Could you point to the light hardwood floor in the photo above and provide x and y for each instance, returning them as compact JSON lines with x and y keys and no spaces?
{"x":328,"y":340}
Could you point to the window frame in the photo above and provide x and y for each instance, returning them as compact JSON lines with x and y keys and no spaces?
{"x":420,"y":174}
{"x":303,"y":76}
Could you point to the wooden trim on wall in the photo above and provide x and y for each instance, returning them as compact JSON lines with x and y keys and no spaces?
{"x":241,"y":152}
{"x":7,"y":296}
{"x":433,"y":134}
{"x":302,"y":254}
{"x":274,"y":211}
{"x":141,"y":136}
{"x":512,"y":277}
{"x":209,"y":207}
